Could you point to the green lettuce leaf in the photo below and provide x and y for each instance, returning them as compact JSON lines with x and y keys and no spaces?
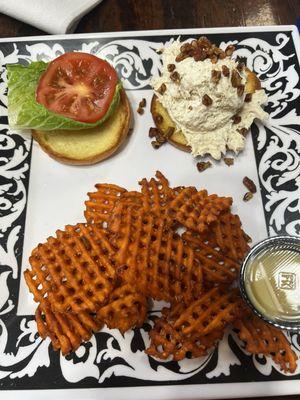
{"x":25,"y":113}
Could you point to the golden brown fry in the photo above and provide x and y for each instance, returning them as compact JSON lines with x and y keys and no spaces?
{"x":101,"y":203}
{"x":126,"y":309}
{"x":66,"y":331}
{"x":227,"y":235}
{"x":212,"y":311}
{"x":157,"y":193}
{"x":74,"y":271}
{"x":104,"y":272}
{"x":217,"y":268}
{"x":262,"y":338}
{"x":166,"y":341}
{"x":153,"y":257}
{"x":196,"y":210}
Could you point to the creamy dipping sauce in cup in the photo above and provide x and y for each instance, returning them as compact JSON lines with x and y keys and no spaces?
{"x":270,"y":281}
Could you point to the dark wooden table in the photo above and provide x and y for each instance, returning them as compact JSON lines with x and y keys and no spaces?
{"x":118,"y":15}
{"x":124,"y":15}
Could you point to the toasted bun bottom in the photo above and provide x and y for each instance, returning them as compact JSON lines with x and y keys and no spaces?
{"x":177,"y":139}
{"x":88,"y":146}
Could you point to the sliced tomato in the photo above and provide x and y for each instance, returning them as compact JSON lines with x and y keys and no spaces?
{"x":79,"y":86}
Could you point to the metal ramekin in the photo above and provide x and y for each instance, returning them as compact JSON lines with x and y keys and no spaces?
{"x":278,"y":242}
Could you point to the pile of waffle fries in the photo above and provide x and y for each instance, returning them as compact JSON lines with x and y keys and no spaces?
{"x":129,"y":251}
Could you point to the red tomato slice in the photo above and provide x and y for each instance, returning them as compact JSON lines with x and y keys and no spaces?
{"x":79,"y":86}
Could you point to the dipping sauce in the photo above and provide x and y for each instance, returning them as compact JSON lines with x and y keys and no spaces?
{"x":270,"y":281}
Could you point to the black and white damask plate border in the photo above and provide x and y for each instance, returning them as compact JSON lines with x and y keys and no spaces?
{"x":24,"y":359}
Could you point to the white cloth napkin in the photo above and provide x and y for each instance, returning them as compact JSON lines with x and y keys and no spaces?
{"x":52,"y":16}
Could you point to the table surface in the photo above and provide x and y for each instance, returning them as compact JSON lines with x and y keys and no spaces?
{"x":125,"y":15}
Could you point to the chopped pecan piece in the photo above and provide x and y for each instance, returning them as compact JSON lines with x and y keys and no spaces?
{"x":228,"y":161}
{"x":235,"y":79}
{"x":203,"y":165}
{"x":248,"y":97}
{"x":248,"y":196}
{"x":229,"y":50}
{"x":206,"y":100}
{"x":181,"y":57}
{"x":214,"y":59}
{"x":240,"y":90}
{"x":186,"y":47}
{"x":204,"y":42}
{"x":210,"y":51}
{"x":243,"y":131}
{"x":160,"y":138}
{"x":142,"y":103}
{"x":215,"y":76}
{"x":155,"y":144}
{"x":171,"y":67}
{"x":175,"y":77}
{"x":140,"y":111}
{"x":200,"y":55}
{"x":250,"y":185}
{"x":217,"y":50}
{"x":225,"y":70}
{"x":162,"y":88}
{"x":153,"y":132}
{"x":236,"y":119}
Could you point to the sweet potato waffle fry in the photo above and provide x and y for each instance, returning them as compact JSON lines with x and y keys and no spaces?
{"x":212,"y":311}
{"x":167,"y":341}
{"x":262,"y":338}
{"x":197,"y":210}
{"x":74,"y":271}
{"x":227,"y":235}
{"x":130,"y":251}
{"x":157,"y":193}
{"x":126,"y":309}
{"x":154,"y":256}
{"x":101,"y":203}
{"x":217,"y":268}
{"x":66,"y":330}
